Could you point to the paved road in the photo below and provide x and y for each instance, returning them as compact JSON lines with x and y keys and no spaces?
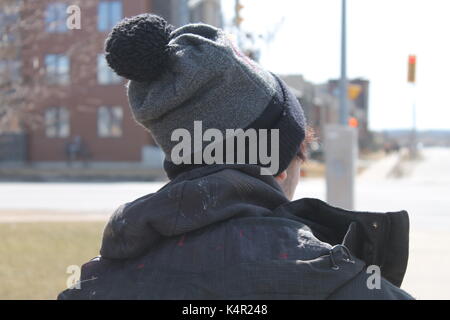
{"x":72,"y":197}
{"x":425,"y":194}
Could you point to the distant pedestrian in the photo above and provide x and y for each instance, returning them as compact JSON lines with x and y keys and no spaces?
{"x":76,"y":150}
{"x":73,"y":149}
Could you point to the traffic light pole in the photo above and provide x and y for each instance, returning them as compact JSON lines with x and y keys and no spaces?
{"x":414,"y":123}
{"x":343,"y":110}
{"x":412,"y":61}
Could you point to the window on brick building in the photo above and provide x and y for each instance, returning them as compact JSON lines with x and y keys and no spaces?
{"x":55,"y":17}
{"x":7,"y":22}
{"x":57,"y":122}
{"x":9,"y":70}
{"x":109,"y":121}
{"x":57,"y":69}
{"x":105,"y":75}
{"x":109,"y":13}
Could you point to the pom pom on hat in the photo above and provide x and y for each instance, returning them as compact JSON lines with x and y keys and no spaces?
{"x":137,"y":48}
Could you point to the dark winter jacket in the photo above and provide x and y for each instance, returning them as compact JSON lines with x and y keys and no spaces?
{"x":227,"y":232}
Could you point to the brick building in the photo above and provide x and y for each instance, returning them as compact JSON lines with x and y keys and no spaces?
{"x":88,"y":99}
{"x":81,"y":104}
{"x":78,"y":104}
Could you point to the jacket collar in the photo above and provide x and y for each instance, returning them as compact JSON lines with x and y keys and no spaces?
{"x":380,"y":239}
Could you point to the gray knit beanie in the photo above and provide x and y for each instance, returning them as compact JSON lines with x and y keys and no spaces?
{"x":195,"y":73}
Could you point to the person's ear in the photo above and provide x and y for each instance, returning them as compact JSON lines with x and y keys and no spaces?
{"x":281,"y":176}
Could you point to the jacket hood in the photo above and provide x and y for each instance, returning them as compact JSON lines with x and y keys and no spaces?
{"x":188,"y":203}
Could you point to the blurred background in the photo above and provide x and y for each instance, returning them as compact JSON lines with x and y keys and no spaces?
{"x":70,"y":152}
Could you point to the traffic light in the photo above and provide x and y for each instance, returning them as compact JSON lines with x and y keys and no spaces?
{"x":237,"y":9}
{"x":354,"y":90}
{"x":353,"y":122}
{"x":412,"y":59}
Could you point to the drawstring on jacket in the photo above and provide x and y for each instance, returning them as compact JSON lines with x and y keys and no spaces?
{"x":347,"y":259}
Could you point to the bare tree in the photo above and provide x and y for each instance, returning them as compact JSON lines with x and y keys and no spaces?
{"x":23,"y":26}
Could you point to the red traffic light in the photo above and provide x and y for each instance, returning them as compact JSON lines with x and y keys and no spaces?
{"x":412,"y":59}
{"x":353,"y":122}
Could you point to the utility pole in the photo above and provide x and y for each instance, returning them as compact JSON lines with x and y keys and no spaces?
{"x":341,"y":143}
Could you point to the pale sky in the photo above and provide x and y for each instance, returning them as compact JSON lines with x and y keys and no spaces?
{"x":381,"y":35}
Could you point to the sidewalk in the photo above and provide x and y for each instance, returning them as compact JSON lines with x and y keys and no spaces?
{"x":381,"y":169}
{"x":428,"y":267}
{"x":61,"y":171}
